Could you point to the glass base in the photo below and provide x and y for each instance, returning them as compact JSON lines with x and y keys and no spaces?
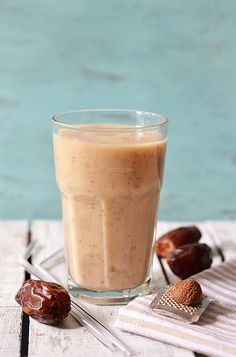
{"x":120,"y":297}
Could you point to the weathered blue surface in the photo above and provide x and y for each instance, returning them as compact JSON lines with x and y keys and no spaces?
{"x":172,"y":57}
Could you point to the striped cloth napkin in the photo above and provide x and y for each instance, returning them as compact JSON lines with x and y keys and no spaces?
{"x":214,"y":334}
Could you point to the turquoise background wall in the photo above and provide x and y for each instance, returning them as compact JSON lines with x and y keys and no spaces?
{"x":172,"y":57}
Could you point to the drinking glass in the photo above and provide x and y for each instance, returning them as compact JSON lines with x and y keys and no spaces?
{"x":109,"y":169}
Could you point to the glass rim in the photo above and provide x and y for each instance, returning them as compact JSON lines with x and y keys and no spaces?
{"x":164,"y":120}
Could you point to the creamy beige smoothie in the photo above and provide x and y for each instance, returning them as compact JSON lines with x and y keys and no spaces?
{"x":110,"y":185}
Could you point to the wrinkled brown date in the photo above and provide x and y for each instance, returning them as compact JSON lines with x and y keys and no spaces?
{"x":46,"y":302}
{"x":175,"y":239}
{"x":190,"y":259}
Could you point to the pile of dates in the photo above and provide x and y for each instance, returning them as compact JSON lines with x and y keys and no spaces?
{"x":183,"y":252}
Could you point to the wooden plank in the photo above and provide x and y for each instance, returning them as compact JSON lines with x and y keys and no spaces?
{"x":224,"y":234}
{"x":12,"y":243}
{"x":73,"y":340}
{"x":10,"y":331}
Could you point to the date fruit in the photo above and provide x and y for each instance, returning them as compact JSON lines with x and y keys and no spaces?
{"x":190,"y":259}
{"x":46,"y":302}
{"x":175,"y":239}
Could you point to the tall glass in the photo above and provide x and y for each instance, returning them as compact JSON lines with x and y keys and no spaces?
{"x":109,"y":169}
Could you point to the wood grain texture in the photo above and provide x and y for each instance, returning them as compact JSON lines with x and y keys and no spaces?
{"x":224,"y":234}
{"x":73,"y":340}
{"x":13,"y":238}
{"x":10,"y":331}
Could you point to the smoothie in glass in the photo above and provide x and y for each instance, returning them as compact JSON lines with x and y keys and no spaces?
{"x":110,"y":181}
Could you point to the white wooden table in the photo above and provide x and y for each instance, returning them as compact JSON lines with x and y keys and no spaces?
{"x":21,"y":336}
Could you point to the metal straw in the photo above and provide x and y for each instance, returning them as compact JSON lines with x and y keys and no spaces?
{"x":80,"y":314}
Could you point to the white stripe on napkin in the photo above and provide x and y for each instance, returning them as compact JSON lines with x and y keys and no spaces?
{"x":215,"y":332}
